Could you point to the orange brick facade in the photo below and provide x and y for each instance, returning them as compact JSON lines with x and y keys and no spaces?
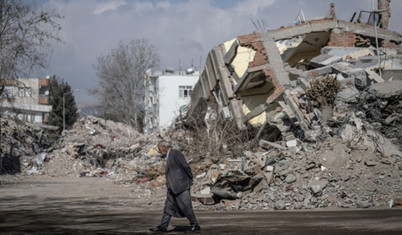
{"x":343,"y":39}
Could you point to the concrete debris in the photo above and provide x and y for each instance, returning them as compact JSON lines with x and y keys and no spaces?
{"x":323,"y":89}
{"x":301,"y":117}
{"x":24,"y":146}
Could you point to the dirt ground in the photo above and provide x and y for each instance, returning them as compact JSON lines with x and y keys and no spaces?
{"x":89,"y":205}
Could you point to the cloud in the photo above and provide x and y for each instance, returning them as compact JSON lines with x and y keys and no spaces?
{"x":251,"y":8}
{"x":109,"y":5}
{"x":183,"y":31}
{"x":164,"y":5}
{"x":140,"y":7}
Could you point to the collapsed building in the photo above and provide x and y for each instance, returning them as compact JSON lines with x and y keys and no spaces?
{"x":253,"y":75}
{"x":336,"y":84}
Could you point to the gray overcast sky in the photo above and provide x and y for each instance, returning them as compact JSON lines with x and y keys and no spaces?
{"x":183,"y":31}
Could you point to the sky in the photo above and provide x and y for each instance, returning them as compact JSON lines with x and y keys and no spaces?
{"x":182,"y":31}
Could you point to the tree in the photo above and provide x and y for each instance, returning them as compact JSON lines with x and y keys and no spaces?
{"x":121,"y":86}
{"x":58,"y":89}
{"x":25,"y":38}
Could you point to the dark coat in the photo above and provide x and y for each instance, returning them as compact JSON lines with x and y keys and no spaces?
{"x":178,"y":173}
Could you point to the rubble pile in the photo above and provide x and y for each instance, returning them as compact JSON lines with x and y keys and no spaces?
{"x":23,"y":145}
{"x":345,"y":162}
{"x":93,"y":147}
{"x":329,"y":174}
{"x":98,"y":147}
{"x":381,"y":105}
{"x":356,"y":167}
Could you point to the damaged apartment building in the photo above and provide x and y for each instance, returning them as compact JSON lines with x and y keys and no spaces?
{"x":28,"y":99}
{"x":253,"y":77}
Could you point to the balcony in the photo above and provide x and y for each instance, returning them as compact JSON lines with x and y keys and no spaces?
{"x":43,"y":82}
{"x":43,"y":100}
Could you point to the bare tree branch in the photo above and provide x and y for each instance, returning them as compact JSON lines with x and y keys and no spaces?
{"x":26,"y":35}
{"x":121,"y":76}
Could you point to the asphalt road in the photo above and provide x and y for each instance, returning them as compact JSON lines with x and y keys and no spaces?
{"x":105,"y":221}
{"x":55,"y":206}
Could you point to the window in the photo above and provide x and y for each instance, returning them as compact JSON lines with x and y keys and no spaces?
{"x":185,"y":91}
{"x":8,"y":91}
{"x":24,"y":92}
{"x":27,"y":92}
{"x":21,"y":92}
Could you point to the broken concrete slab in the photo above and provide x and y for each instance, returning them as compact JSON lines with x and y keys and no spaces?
{"x":344,"y":51}
{"x":231,"y":49}
{"x":350,"y":75}
{"x":387,"y":89}
{"x":348,"y":95}
{"x":275,"y":60}
{"x":358,"y":54}
{"x":366,"y":62}
{"x":373,"y":76}
{"x":206,"y":199}
{"x":392,"y":74}
{"x":303,"y":83}
{"x":319,"y":71}
{"x":324,"y":60}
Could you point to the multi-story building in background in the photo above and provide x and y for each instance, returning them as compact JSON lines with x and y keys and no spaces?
{"x":167,"y":94}
{"x":28,"y":99}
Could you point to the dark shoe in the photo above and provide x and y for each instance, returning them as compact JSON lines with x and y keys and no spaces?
{"x":194,"y":229}
{"x":158,"y":229}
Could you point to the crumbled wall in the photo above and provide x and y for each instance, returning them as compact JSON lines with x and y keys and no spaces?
{"x":254,"y":41}
{"x":390,"y":45}
{"x":342,"y":39}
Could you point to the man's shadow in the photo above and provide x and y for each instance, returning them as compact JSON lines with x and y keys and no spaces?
{"x":180,"y":228}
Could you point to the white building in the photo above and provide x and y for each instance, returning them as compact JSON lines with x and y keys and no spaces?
{"x":165,"y":94}
{"x":27,"y":98}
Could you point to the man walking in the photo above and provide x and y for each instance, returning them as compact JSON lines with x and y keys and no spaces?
{"x":178,"y":181}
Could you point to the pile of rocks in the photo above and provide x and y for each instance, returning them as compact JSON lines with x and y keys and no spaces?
{"x":24,"y":145}
{"x":98,"y":147}
{"x":330,"y":174}
{"x":358,"y":169}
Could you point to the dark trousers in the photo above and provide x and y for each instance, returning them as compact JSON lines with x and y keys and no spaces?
{"x":178,"y":205}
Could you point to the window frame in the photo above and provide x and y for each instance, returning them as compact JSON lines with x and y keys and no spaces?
{"x":185,"y":91}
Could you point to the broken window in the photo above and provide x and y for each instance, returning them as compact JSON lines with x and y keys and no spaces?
{"x":185,"y":91}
